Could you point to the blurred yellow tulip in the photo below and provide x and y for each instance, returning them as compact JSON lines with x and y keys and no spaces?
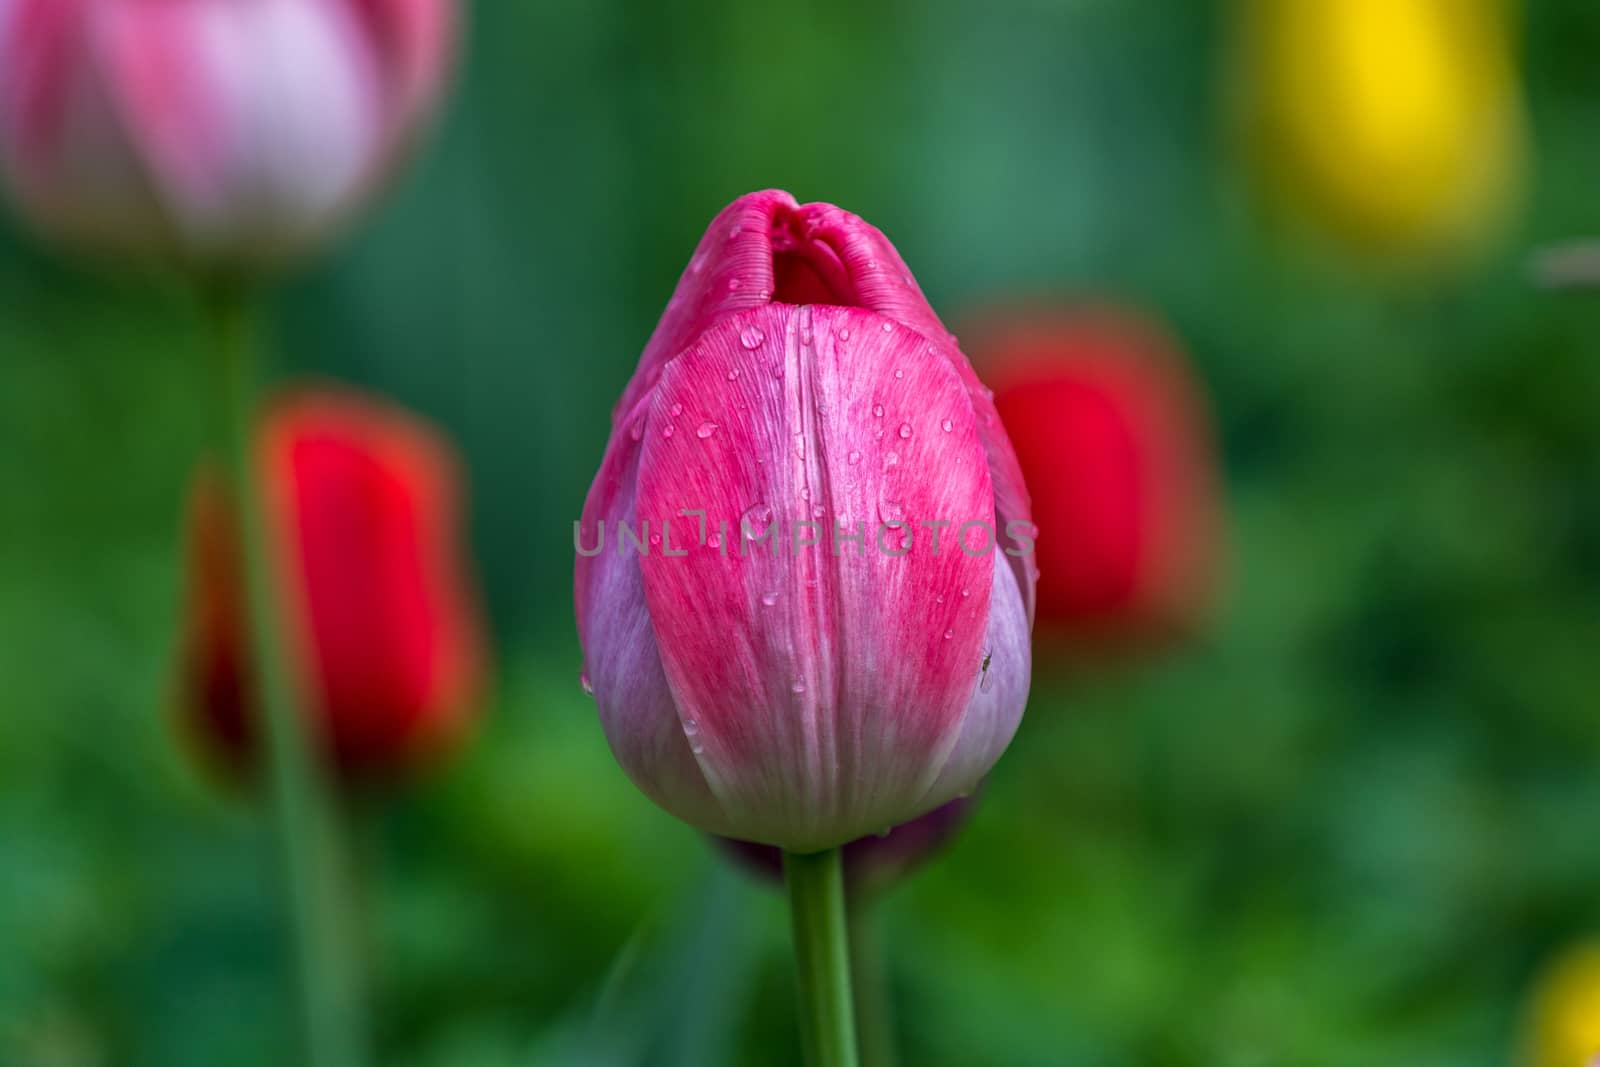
{"x":1396,"y":123}
{"x":1564,"y":1018}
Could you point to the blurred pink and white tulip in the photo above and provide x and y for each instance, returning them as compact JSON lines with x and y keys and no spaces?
{"x":791,"y":694}
{"x":224,"y":132}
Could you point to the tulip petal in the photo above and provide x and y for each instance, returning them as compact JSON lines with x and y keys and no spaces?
{"x":415,"y":40}
{"x":996,"y":708}
{"x":621,"y":659}
{"x":825,"y":686}
{"x":730,"y":271}
{"x":39,"y":47}
{"x":367,"y":516}
{"x":261,"y":121}
{"x":871,"y":273}
{"x":873,"y":276}
{"x":69,"y":160}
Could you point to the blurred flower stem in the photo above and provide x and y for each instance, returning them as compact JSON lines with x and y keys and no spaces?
{"x":869,"y":972}
{"x":310,"y":849}
{"x":822,"y":957}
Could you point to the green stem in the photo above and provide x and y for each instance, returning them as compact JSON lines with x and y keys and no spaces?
{"x":873,"y":1001}
{"x":822,"y":957}
{"x":308,"y":841}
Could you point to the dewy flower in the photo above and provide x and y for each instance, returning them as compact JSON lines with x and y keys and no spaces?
{"x":872,"y":864}
{"x":233,"y":132}
{"x":805,"y":580}
{"x":1113,"y":435}
{"x":362,"y":503}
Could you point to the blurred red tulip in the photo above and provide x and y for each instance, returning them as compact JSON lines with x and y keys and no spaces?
{"x":218,"y":130}
{"x":874,"y":863}
{"x":1114,"y":437}
{"x":820,"y":667}
{"x":363,"y":502}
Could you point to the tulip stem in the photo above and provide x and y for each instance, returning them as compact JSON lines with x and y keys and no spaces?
{"x":822,"y":957}
{"x":308,"y":841}
{"x":873,"y":998}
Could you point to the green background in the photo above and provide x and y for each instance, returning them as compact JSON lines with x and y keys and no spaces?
{"x":1346,"y":828}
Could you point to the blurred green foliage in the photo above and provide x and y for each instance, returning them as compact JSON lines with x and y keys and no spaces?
{"x":1344,"y":830}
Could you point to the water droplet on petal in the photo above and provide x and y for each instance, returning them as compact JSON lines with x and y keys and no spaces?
{"x":891,"y":459}
{"x":691,"y":727}
{"x":706,"y":430}
{"x":756,"y":520}
{"x":965,"y":593}
{"x":939,"y":599}
{"x":752,"y":337}
{"x":769,"y":599}
{"x":854,"y":457}
{"x":818,"y":511}
{"x":899,"y":374}
{"x":888,"y":327}
{"x":668,"y":430}
{"x":877,"y":409}
{"x":637,"y":430}
{"x":677,"y":409}
{"x":947,"y":426}
{"x":733,"y":375}
{"x":733,"y":283}
{"x":714,"y":541}
{"x":844,"y":333}
{"x":905,"y":429}
{"x":948,"y":634}
{"x":588,"y":686}
{"x":798,"y":687}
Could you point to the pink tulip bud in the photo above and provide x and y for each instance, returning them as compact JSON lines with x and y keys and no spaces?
{"x":234,"y":132}
{"x":805,"y":581}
